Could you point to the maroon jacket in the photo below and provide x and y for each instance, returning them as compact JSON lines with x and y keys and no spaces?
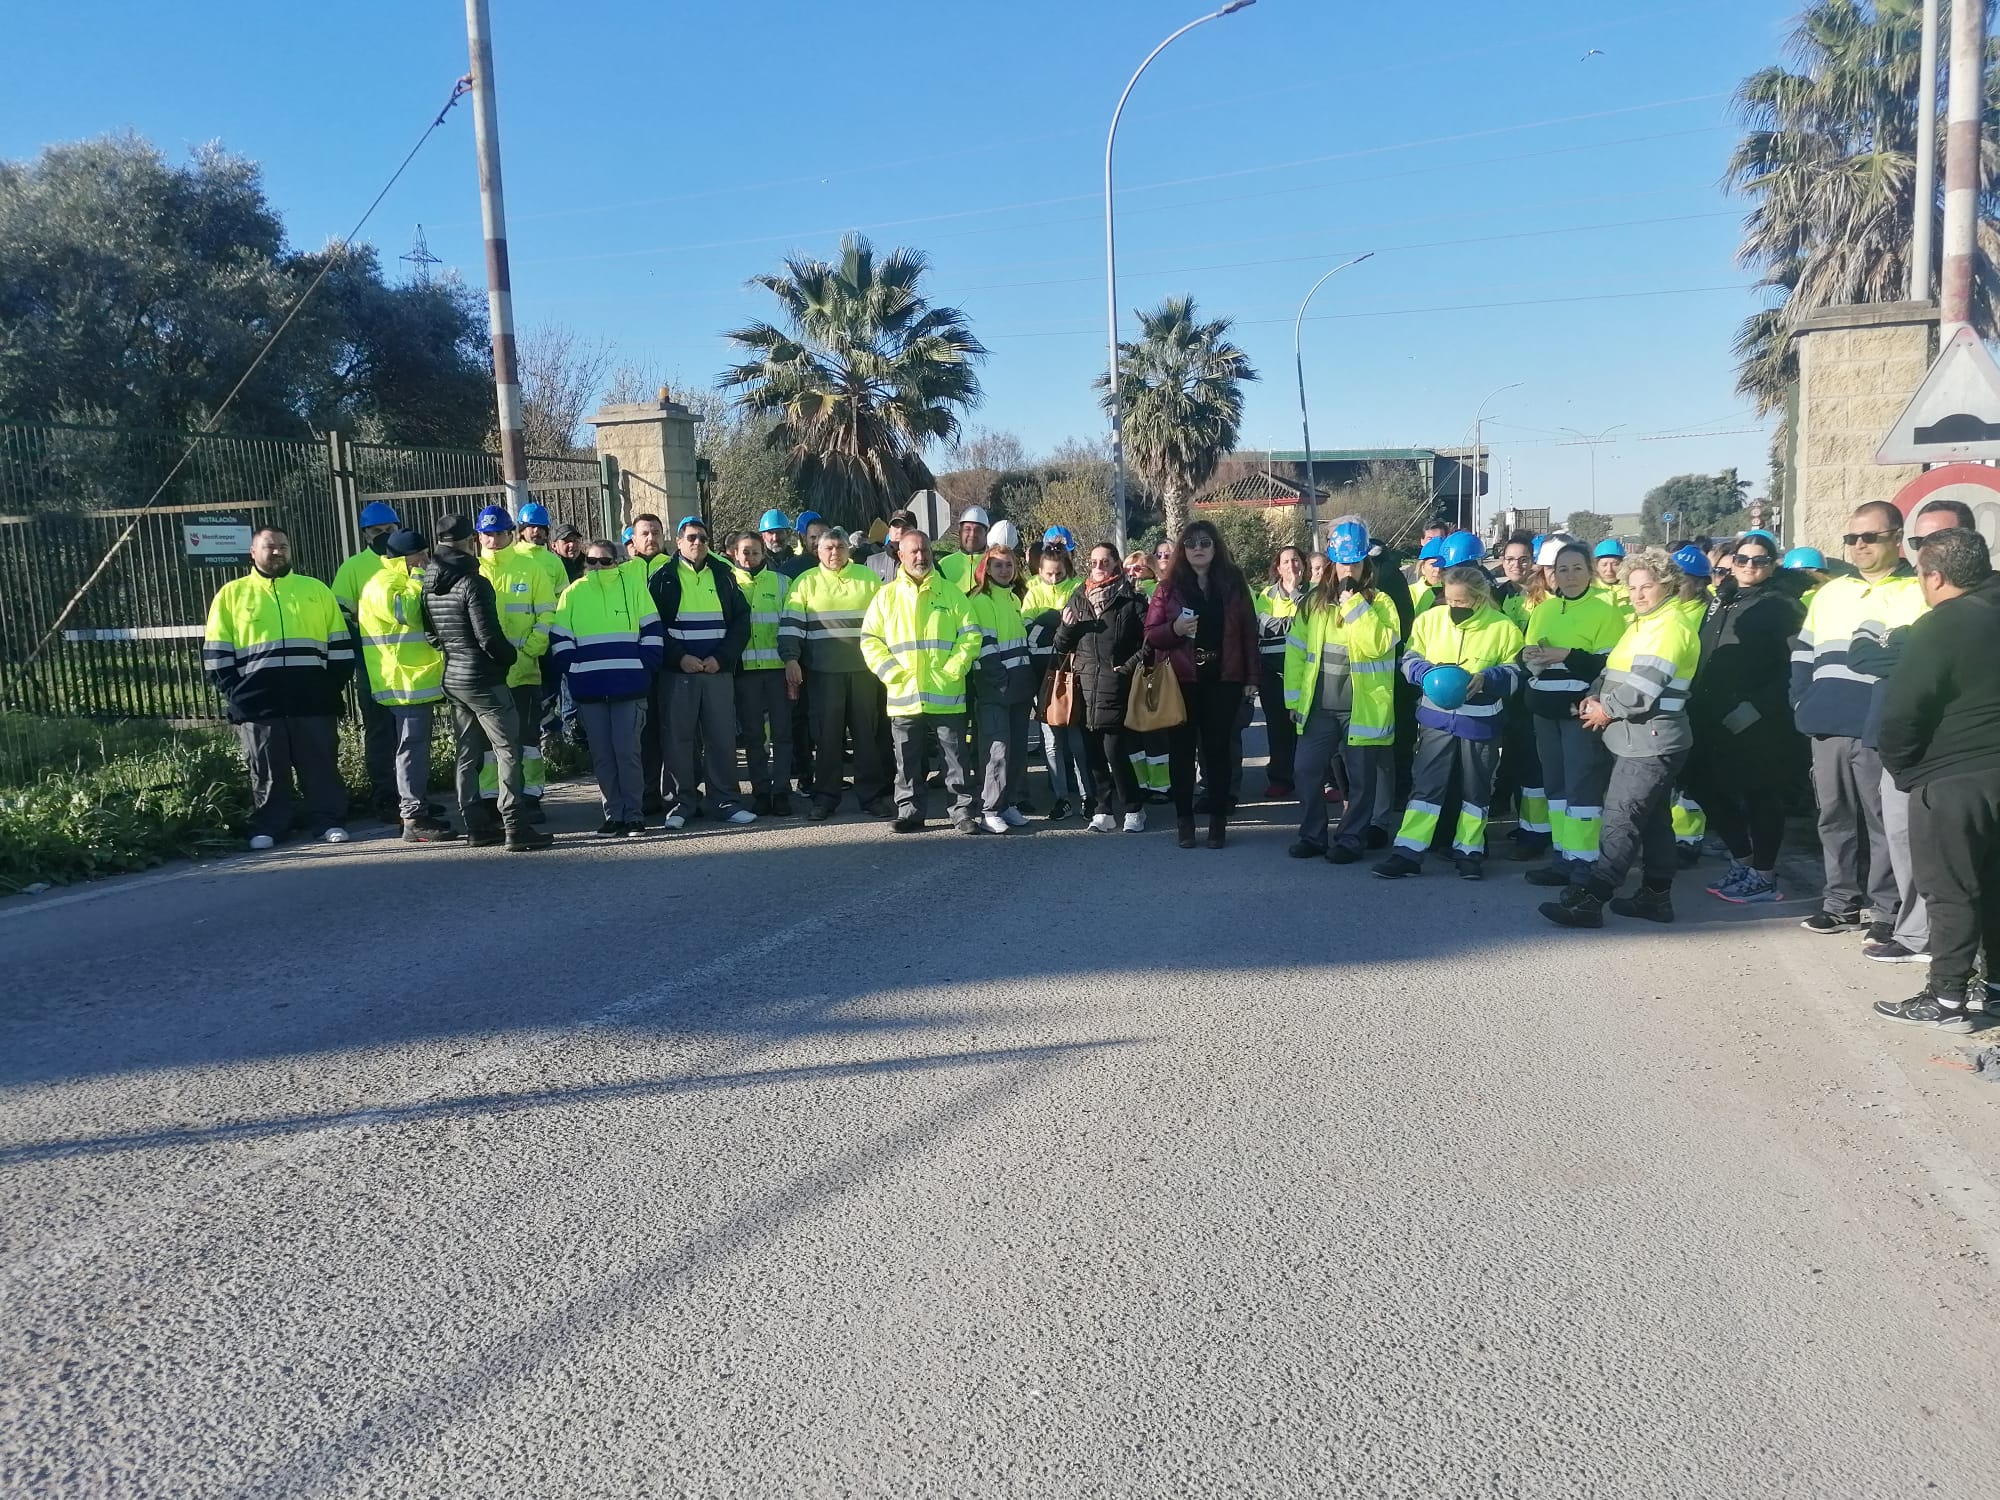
{"x":1240,"y":662}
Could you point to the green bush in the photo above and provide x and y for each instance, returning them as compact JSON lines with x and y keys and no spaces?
{"x":184,"y":795}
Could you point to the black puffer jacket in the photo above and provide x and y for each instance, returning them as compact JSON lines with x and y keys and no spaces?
{"x":1107,"y":646}
{"x":462,"y":621}
{"x":1741,"y":695}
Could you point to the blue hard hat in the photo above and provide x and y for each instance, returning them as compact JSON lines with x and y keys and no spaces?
{"x":1535,"y":547}
{"x":1430,"y":550}
{"x":805,"y":519}
{"x":1692,"y":561}
{"x":626,"y":537}
{"x":375,"y":513}
{"x":493,"y":520}
{"x":773,"y":520}
{"x":1348,"y":544}
{"x":1447,"y":687}
{"x":1805,"y":557}
{"x":534,"y":513}
{"x":1059,"y":534}
{"x":686,"y":521}
{"x":1609,"y":547}
{"x":1460,"y":548}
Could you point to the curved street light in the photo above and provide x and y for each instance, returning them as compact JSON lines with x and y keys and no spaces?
{"x":1111,"y":264}
{"x":1305,"y":422}
{"x":1478,"y":425}
{"x":1591,"y":443}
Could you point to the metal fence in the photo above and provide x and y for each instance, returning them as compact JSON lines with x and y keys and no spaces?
{"x":132,"y":647}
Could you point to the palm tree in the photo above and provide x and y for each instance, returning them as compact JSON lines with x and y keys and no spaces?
{"x":1180,"y":386}
{"x":863,"y":376}
{"x":1830,"y":159}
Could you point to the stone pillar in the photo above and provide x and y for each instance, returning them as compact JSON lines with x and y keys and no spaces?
{"x":653,"y":442}
{"x":1857,"y":367}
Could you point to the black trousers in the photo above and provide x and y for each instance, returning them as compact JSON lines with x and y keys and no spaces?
{"x":277,"y":749}
{"x":1211,"y":725}
{"x":1743,"y":783}
{"x":1110,"y":754}
{"x":1281,"y":737}
{"x":1639,"y":822}
{"x":1955,"y":848}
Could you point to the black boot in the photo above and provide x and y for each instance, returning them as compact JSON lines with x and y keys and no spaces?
{"x":1218,"y":830}
{"x":521,"y":839}
{"x":1185,"y":831}
{"x":1653,"y":903}
{"x":1580,"y":906}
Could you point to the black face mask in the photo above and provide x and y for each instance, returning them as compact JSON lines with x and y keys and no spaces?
{"x":1460,"y":616}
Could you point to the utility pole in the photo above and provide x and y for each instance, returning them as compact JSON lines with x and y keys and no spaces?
{"x":1924,"y":217}
{"x":1305,"y":422}
{"x":1961,"y":165}
{"x":499,"y":283}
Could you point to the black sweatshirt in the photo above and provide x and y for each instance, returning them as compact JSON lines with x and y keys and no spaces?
{"x":1941,"y":709}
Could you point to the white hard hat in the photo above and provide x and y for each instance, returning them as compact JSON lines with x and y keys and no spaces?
{"x":1552,"y":546}
{"x":974,"y":515}
{"x":1002,"y":534}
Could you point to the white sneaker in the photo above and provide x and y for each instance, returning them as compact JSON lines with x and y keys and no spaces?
{"x":1013,"y":817}
{"x":675,"y":821}
{"x":1104,"y":823}
{"x":994,"y":823}
{"x":262,"y":841}
{"x":741,"y":816}
{"x":334,"y":836}
{"x":1135,"y":821}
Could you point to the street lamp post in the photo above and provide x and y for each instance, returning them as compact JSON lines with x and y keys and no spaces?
{"x":1591,"y":443}
{"x":1111,"y":267}
{"x":1305,"y":422}
{"x":1478,"y":430}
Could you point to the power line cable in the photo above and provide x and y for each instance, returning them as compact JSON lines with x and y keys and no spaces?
{"x":335,"y":254}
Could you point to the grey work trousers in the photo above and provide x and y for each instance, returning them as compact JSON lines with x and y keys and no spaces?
{"x":761,"y":701}
{"x":1003,"y":752}
{"x":484,"y":720}
{"x":1913,"y":918}
{"x":1847,"y":785}
{"x":1638,"y":823}
{"x":413,"y":724}
{"x":613,"y":729}
{"x":848,"y":705}
{"x":1369,"y":769}
{"x":910,"y":739}
{"x":276,"y":749}
{"x":1575,"y":770}
{"x":701,"y":712}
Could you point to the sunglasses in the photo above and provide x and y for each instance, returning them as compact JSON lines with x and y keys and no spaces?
{"x":599,"y":562}
{"x":1869,"y":538}
{"x":1752,"y":559}
{"x":1197,"y":544}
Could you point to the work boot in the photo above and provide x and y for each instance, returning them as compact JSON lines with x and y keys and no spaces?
{"x":908,"y":823}
{"x":427,"y":831}
{"x":1218,"y":830}
{"x":1470,"y":867}
{"x":820,"y":811}
{"x":1342,"y":854}
{"x":521,"y":839}
{"x":532,"y":813}
{"x":760,"y":803}
{"x":1652,"y":903}
{"x":484,"y":832}
{"x":1185,"y":833}
{"x":1552,"y":875}
{"x":1398,"y":866}
{"x":1579,"y":906}
{"x":1304,"y":850}
{"x":781,"y":804}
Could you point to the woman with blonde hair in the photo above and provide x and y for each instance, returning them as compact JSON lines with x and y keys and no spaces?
{"x":1001,"y":687}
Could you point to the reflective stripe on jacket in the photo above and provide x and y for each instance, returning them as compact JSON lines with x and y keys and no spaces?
{"x":921,"y":641}
{"x":1586,"y":627}
{"x":1275,"y":613}
{"x":1831,"y":696}
{"x":352,"y":576}
{"x":551,"y":565}
{"x":1003,"y":674}
{"x":1487,"y":643}
{"x":1344,"y":659}
{"x":527,"y":604}
{"x":1645,"y":684}
{"x":606,"y":635}
{"x":404,"y":669}
{"x":277,"y":648}
{"x":824,"y":609}
{"x":764,"y":592}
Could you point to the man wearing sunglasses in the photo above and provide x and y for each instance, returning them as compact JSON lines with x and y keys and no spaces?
{"x":1834,"y":679}
{"x":706,"y":621}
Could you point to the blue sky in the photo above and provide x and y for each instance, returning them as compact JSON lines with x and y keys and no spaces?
{"x":1536,"y":216}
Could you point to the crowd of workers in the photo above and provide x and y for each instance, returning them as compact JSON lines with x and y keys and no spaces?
{"x":1621,"y":705}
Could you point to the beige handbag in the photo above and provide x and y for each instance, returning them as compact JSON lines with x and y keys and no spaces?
{"x":1156,"y":701}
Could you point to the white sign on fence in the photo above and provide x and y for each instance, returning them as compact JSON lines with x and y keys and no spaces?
{"x":219,"y":541}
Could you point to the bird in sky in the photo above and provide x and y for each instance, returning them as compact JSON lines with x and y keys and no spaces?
{"x":1593,"y":52}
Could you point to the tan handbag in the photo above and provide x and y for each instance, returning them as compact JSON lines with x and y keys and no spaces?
{"x":1155,"y":701}
{"x":1059,"y":695}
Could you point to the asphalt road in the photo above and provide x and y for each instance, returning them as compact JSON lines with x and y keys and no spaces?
{"x":814,"y":1161}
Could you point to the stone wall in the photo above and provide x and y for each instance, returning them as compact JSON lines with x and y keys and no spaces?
{"x":1857,"y":368}
{"x":654,"y":442}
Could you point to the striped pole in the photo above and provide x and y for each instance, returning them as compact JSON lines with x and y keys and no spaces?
{"x":499,"y":285}
{"x":1923,"y":220}
{"x":1961,"y":165}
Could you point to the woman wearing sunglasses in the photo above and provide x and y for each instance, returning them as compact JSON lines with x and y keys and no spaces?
{"x":1745,"y":748}
{"x":1104,"y":628}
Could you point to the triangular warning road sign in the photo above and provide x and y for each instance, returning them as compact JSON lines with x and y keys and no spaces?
{"x":1955,"y":413}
